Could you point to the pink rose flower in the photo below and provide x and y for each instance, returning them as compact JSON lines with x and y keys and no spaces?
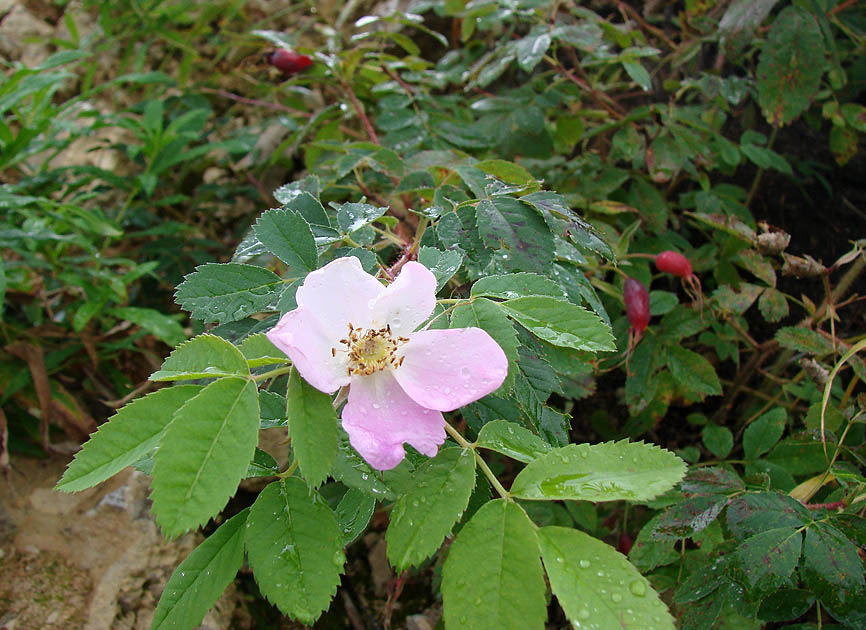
{"x":351,"y":330}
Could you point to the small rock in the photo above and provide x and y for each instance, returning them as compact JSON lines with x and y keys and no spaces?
{"x":19,"y":26}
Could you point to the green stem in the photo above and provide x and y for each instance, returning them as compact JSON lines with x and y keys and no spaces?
{"x":258,"y":378}
{"x":288,"y":471}
{"x":481,"y":463}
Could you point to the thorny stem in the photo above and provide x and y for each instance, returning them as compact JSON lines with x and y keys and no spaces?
{"x":359,"y":109}
{"x":481,"y":463}
{"x":841,"y":288}
{"x":410,"y":252}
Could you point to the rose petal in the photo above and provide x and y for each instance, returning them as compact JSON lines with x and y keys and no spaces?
{"x":407,"y":302}
{"x":339,"y":294}
{"x":379,"y":417}
{"x":446,"y":369}
{"x":301,"y":336}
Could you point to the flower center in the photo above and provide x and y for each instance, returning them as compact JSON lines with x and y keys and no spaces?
{"x":371,"y":350}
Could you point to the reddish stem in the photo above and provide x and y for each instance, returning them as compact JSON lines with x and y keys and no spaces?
{"x":389,"y":606}
{"x":834,"y":505}
{"x":359,"y":109}
{"x":602,"y":99}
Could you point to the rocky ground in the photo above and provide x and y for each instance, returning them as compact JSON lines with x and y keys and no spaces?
{"x":93,"y":560}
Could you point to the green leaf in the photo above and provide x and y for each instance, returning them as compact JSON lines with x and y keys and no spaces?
{"x":740,"y":22}
{"x":760,"y":266}
{"x":351,"y":469}
{"x":693,"y":372}
{"x":512,"y":440}
{"x":205,"y":356}
{"x":312,"y":429}
{"x":205,"y":453}
{"x":832,"y":568}
{"x":773,"y":305}
{"x":351,"y":217}
{"x":761,"y":511}
{"x":517,"y":230}
{"x":688,"y":517}
{"x":710,"y":480}
{"x":508,"y":172}
{"x":647,"y":553}
{"x":718,"y":440}
{"x":309,"y":207}
{"x":762,"y":435}
{"x":791,"y":65}
{"x":295,"y":549}
{"x":354,"y":512}
{"x":638,"y":74}
{"x":263,"y":464}
{"x":561,"y":323}
{"x":611,"y":471}
{"x":288,"y":237}
{"x":154,"y":322}
{"x":531,"y":49}
{"x":286,"y":193}
{"x":737,"y":301}
{"x":833,"y":418}
{"x":487,"y":315}
{"x":200,"y":579}
{"x":442,"y":264}
{"x":423,"y":516}
{"x":258,"y":351}
{"x":803,"y":340}
{"x":492,"y":579}
{"x":272,"y":410}
{"x":227,"y":292}
{"x":2,"y":288}
{"x":515,"y":285}
{"x":129,"y":434}
{"x":597,"y":585}
{"x":768,"y":559}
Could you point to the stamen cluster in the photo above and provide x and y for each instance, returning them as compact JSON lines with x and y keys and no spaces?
{"x":372,"y":350}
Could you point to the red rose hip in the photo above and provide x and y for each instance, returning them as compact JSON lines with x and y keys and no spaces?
{"x":674,"y":263}
{"x":637,"y":308}
{"x":288,"y":61}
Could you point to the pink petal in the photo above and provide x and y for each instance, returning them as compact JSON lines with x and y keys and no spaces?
{"x":446,"y":369}
{"x":379,"y":417}
{"x":340,"y":293}
{"x":407,"y":302}
{"x":308,"y":344}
